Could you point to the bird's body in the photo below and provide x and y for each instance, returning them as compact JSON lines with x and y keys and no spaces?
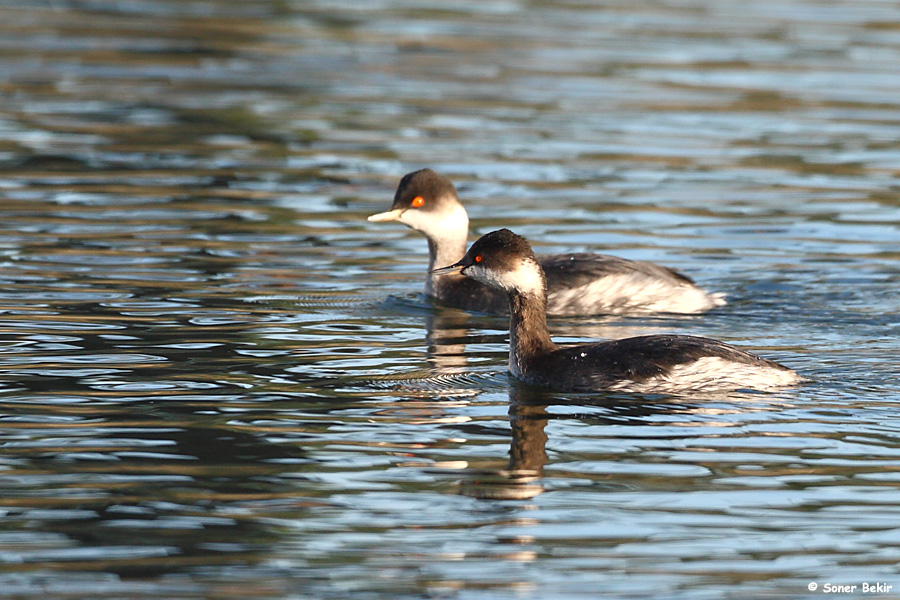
{"x":648,"y":364}
{"x":577,"y":284}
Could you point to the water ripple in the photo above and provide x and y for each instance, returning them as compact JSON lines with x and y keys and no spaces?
{"x":220,"y":380}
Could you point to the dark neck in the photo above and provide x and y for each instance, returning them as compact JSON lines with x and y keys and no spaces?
{"x":528,"y":333}
{"x":441,"y":254}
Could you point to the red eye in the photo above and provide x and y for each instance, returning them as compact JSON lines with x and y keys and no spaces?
{"x":478,"y":258}
{"x":418,"y":201}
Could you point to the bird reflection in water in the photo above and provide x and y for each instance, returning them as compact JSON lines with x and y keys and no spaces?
{"x":521,"y":479}
{"x":445,"y":335}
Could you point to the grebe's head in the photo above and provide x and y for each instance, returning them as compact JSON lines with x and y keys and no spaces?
{"x":503,"y":260}
{"x":428,"y":202}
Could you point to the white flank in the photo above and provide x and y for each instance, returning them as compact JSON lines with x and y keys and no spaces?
{"x":632,"y":292}
{"x":712,"y":373}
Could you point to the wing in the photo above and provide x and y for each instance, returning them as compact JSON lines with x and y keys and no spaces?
{"x":581,"y":268}
{"x":638,"y":359}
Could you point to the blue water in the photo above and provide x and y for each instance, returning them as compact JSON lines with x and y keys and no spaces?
{"x":218,"y":380}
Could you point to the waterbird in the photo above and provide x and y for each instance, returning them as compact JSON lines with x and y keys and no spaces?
{"x":665,"y":364}
{"x":577,"y":283}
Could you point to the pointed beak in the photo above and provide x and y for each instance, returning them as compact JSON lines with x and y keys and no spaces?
{"x":454,"y":268}
{"x":391,"y":215}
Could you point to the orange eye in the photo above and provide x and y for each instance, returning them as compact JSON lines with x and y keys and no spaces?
{"x":478,"y":258}
{"x":418,"y":201}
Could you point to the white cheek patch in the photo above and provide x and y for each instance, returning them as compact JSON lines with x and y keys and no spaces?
{"x":450,"y":224}
{"x":525,"y":278}
{"x":455,"y":219}
{"x":415,"y":219}
{"x":478,"y":273}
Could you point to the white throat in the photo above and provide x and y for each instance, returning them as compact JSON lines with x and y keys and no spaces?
{"x":447,"y":232}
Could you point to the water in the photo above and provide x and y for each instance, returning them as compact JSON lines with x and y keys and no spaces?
{"x":219,"y":381}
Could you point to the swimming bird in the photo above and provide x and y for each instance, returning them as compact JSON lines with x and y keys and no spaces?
{"x":578,"y":283}
{"x":505,"y":262}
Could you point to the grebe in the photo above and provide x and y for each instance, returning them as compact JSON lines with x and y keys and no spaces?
{"x":645,"y":364}
{"x":577,"y":284}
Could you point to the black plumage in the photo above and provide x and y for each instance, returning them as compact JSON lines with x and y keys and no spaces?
{"x":578,"y":283}
{"x":563,"y":272}
{"x":505,"y":261}
{"x":605,"y":365}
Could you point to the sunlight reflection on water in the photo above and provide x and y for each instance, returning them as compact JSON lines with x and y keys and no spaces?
{"x":220,"y":381}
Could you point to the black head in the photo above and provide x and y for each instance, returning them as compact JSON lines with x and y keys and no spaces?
{"x":424,"y":190}
{"x":499,"y":249}
{"x":427,"y":202}
{"x":503,"y":260}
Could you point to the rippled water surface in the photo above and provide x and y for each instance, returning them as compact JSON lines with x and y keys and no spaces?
{"x":219,"y":381}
